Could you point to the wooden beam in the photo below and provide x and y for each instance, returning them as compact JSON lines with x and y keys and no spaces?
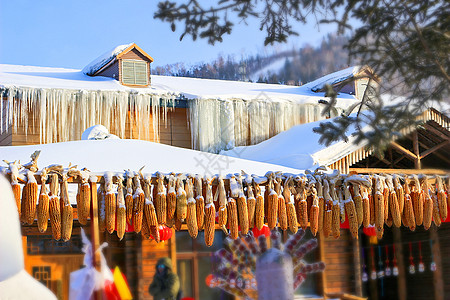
{"x":434,"y":148}
{"x":357,"y":266}
{"x":446,"y":159}
{"x":399,"y":159}
{"x":403,"y":150}
{"x":417,"y":163}
{"x":437,"y":132}
{"x":400,"y":171}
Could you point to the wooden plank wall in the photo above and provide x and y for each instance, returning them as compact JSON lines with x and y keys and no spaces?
{"x":338,"y":258}
{"x":151,"y":252}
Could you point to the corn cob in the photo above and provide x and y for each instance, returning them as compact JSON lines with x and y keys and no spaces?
{"x":282,"y":215}
{"x":299,"y":194}
{"x":160,"y":199}
{"x":427,"y":207}
{"x":171,"y":200}
{"x":210,"y":214}
{"x":110,"y":203}
{"x":366,"y":207}
{"x":129,"y":203}
{"x":121,"y":221}
{"x":178,"y":223}
{"x":191,"y":216}
{"x":393,"y":203}
{"x":181,"y":200}
{"x":149,"y":207}
{"x":379,"y":205}
{"x":319,"y":188}
{"x":417,"y":200}
{"x":371,"y":194}
{"x":199,"y":202}
{"x":336,"y":212}
{"x":290,"y":207}
{"x":233,"y":218}
{"x":436,"y":215}
{"x":386,"y":194}
{"x":84,"y":198}
{"x":54,"y":207}
{"x":351,"y":213}
{"x":251,"y":205}
{"x":442,"y":202}
{"x":43,"y":206}
{"x":400,"y":194}
{"x":242,"y":208}
{"x":272,"y":205}
{"x":328,"y":214}
{"x":358,"y":203}
{"x":14,"y":169}
{"x":145,"y":229}
{"x":29,"y":199}
{"x":314,"y":213}
{"x":408,"y":210}
{"x":139,"y":203}
{"x":67,"y":211}
{"x":259,"y":208}
{"x":340,"y":194}
{"x":154,"y":231}
{"x":221,"y":195}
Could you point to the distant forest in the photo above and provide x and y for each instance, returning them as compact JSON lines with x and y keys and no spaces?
{"x":294,"y":67}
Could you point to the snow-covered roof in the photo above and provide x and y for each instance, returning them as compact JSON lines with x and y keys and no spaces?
{"x":192,"y":88}
{"x":117,"y":155}
{"x":332,"y":78}
{"x":299,"y":146}
{"x":104,"y":59}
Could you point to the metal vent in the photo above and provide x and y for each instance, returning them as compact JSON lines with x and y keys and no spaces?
{"x":134,"y":72}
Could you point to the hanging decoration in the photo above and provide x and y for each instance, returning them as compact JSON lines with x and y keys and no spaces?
{"x":387,"y":270}
{"x":421,"y":266}
{"x":433,"y":264}
{"x":412,"y":267}
{"x":263,"y":231}
{"x":380,"y":271}
{"x":364,"y":275}
{"x":373,"y":272}
{"x":394,"y":262}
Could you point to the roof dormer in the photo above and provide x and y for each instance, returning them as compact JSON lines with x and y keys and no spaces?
{"x":128,"y":64}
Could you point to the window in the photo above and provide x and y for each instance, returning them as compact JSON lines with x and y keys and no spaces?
{"x":45,"y":244}
{"x":134,"y":72}
{"x":43,"y":274}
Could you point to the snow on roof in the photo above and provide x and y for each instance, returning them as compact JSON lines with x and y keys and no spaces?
{"x":104,"y":59}
{"x":299,"y":146}
{"x":332,"y":78}
{"x":191,"y":88}
{"x":118,"y":155}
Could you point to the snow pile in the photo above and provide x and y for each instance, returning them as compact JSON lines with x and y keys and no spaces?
{"x":15,"y":282}
{"x":104,"y":59}
{"x":97,"y":132}
{"x":332,"y":78}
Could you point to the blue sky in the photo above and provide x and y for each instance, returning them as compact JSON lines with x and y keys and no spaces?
{"x":72,"y":33}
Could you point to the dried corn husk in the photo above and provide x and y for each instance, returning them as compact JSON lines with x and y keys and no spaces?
{"x":314,"y":214}
{"x":441,"y":198}
{"x":351,"y":212}
{"x":272,"y":205}
{"x":160,"y":200}
{"x":110,"y":203}
{"x":379,"y":205}
{"x":54,"y":207}
{"x":400,"y":193}
{"x":145,"y":229}
{"x":241,"y":204}
{"x":282,"y":214}
{"x":84,"y":198}
{"x":101,"y":208}
{"x":393,"y":203}
{"x":366,"y":207}
{"x":191,"y":216}
{"x":121,"y":221}
{"x":371,"y":193}
{"x":319,"y":188}
{"x":139,"y":203}
{"x":171,"y":200}
{"x":154,"y":231}
{"x":417,"y":200}
{"x":14,"y":169}
{"x":408,"y":210}
{"x":428,"y":206}
{"x":67,"y":211}
{"x":290,"y":206}
{"x":259,"y":208}
{"x":386,"y":193}
{"x":328,"y":214}
{"x":43,"y":206}
{"x":129,"y":202}
{"x":357,"y":199}
{"x":336,"y":212}
{"x":233,"y":218}
{"x":221,"y":195}
{"x":181,"y":200}
{"x":149,"y":206}
{"x":251,"y":205}
{"x":210,"y":214}
{"x":199,"y":202}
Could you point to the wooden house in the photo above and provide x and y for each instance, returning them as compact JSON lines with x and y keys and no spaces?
{"x":192,"y":113}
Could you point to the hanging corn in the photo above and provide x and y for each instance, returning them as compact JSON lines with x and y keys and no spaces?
{"x":336,"y":217}
{"x":139,"y":203}
{"x":259,"y":208}
{"x":408,"y":210}
{"x":110,"y":203}
{"x":282,"y":215}
{"x":199,"y":202}
{"x":328,"y":213}
{"x":442,"y":202}
{"x":393,"y":203}
{"x":160,"y":199}
{"x":67,"y":211}
{"x":242,"y":208}
{"x":319,"y":187}
{"x":272,"y":204}
{"x":427,"y":206}
{"x":351,"y":212}
{"x":171,"y":200}
{"x":121,"y":221}
{"x":400,"y":193}
{"x":149,"y":207}
{"x":314,"y":213}
{"x":54,"y":207}
{"x":221,"y":195}
{"x":84,"y":198}
{"x":181,"y":200}
{"x":417,"y":200}
{"x":43,"y":206}
{"x":251,"y":205}
{"x":191,"y":215}
{"x":29,"y":199}
{"x":290,"y":206}
{"x":210,"y":214}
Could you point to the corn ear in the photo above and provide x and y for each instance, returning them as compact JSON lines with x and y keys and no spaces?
{"x":233,"y":218}
{"x":191,"y":219}
{"x":242,"y":213}
{"x":16,"y":192}
{"x":199,"y":203}
{"x":171,"y":200}
{"x":43,"y":208}
{"x":408,"y":210}
{"x":251,"y":205}
{"x":442,"y":202}
{"x":259,"y":212}
{"x":67,"y":212}
{"x":210,"y":216}
{"x":121,"y":212}
{"x":160,"y":200}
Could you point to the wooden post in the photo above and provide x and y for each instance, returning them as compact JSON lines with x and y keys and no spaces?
{"x":417,"y":163}
{"x":357,"y":265}
{"x":401,"y":278}
{"x":95,"y":237}
{"x":438,"y":282}
{"x":322,"y":258}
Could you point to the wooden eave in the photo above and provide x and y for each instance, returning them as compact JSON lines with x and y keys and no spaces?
{"x":131,"y":47}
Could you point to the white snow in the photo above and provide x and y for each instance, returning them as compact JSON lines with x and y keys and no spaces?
{"x":104,"y":59}
{"x":97,"y":132}
{"x":332,"y":78}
